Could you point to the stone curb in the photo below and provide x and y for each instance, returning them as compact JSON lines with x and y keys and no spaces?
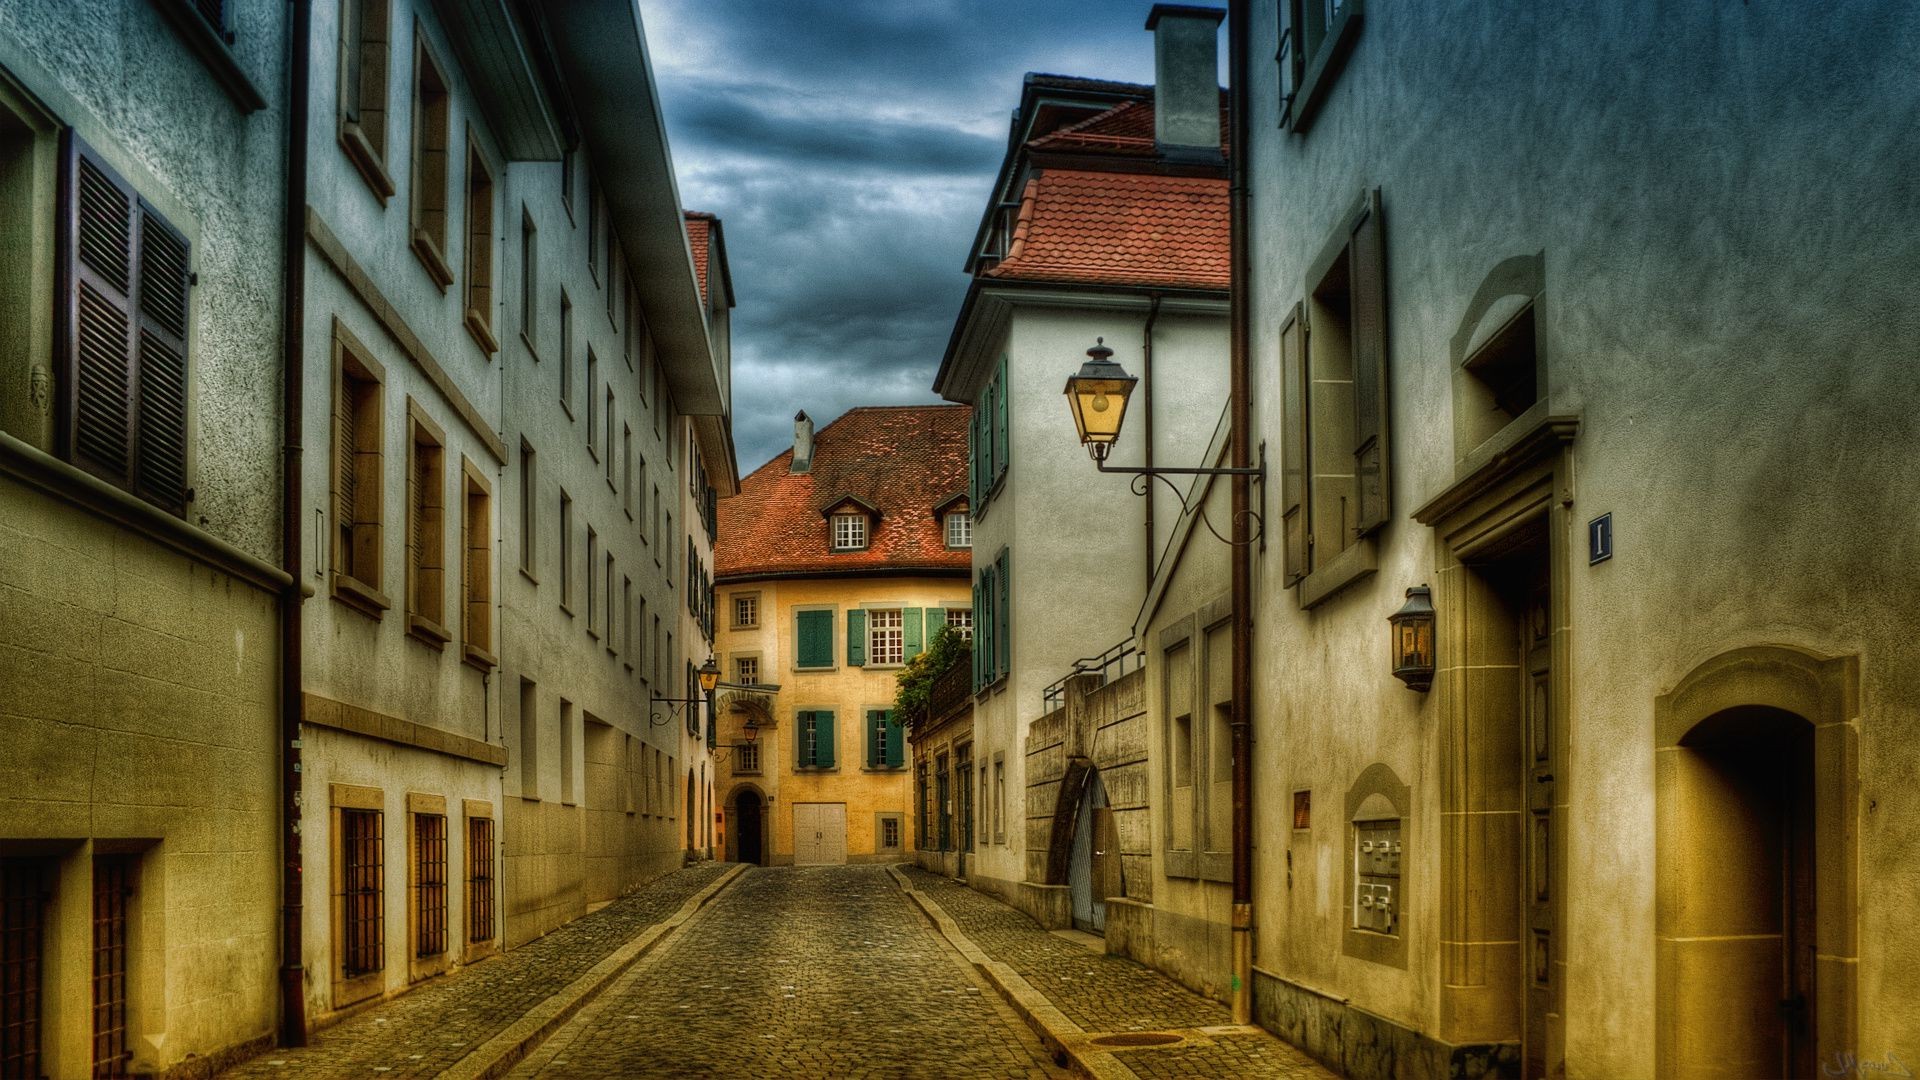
{"x":1063,"y":1038}
{"x":505,"y":1050}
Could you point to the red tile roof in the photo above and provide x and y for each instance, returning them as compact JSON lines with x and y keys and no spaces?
{"x":700,"y":238}
{"x":1111,"y":228}
{"x":1126,"y":129}
{"x":902,"y":460}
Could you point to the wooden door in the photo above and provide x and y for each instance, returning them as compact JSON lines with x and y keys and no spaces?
{"x":819,"y":834}
{"x":1536,"y":713}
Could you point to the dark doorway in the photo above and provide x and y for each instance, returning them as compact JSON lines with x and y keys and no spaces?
{"x":1092,"y":866}
{"x":746,"y":827}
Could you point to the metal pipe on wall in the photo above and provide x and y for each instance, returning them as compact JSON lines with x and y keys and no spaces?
{"x":1146,"y":384}
{"x":1240,"y":439}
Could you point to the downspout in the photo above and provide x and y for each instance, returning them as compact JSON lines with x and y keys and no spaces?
{"x":1146,"y":383}
{"x":293,"y":994}
{"x":1240,"y":437}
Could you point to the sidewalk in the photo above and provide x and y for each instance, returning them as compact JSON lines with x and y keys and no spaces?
{"x":1103,"y":994}
{"x":429,"y":1030}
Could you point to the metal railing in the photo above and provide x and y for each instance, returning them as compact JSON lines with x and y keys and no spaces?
{"x":952,"y":687}
{"x":1117,"y":661}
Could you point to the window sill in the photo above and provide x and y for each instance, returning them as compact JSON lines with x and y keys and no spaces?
{"x":566,"y":408}
{"x":482,"y":333}
{"x":359,"y":150}
{"x":360,"y":596}
{"x":1359,"y":560}
{"x":814,"y":670}
{"x":527,"y":340}
{"x":1323,"y":68}
{"x":428,"y":632}
{"x":430,"y":258}
{"x":476,"y":657}
{"x":592,"y":633}
{"x":528,"y":574}
{"x":215,"y":54}
{"x":565,"y":608}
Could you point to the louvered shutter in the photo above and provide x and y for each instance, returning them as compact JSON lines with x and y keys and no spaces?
{"x":98,"y":247}
{"x":1003,"y":614}
{"x":973,"y":460}
{"x":802,"y":723}
{"x":856,"y":638}
{"x":979,"y":635}
{"x":345,"y":474}
{"x":896,"y":741}
{"x":823,"y":739}
{"x":910,"y":622}
{"x":1293,"y":443}
{"x":935,"y":619}
{"x":875,"y":732}
{"x":160,"y":425}
{"x":815,"y":634}
{"x":1367,"y":258}
{"x":1000,"y":421}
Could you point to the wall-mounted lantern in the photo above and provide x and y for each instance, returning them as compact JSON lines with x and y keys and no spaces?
{"x":1413,"y":639}
{"x":1098,"y":394}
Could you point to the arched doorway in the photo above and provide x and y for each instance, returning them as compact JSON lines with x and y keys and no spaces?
{"x":1092,"y":865}
{"x":744,"y":829}
{"x":1755,"y":788}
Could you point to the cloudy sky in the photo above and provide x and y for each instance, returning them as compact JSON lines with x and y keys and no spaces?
{"x":848,"y":146}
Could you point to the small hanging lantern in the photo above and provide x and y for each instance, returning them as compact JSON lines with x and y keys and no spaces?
{"x":709,"y":674}
{"x":1413,"y":639}
{"x":1098,"y":395}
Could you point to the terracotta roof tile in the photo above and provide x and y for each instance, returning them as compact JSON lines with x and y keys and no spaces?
{"x":902,"y":460}
{"x":1126,"y":130}
{"x":1120,"y":229}
{"x":700,"y":239}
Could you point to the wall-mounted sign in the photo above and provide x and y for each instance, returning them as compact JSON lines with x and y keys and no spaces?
{"x":1600,"y":539}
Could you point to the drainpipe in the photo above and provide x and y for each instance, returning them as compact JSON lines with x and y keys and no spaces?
{"x":1240,"y":437}
{"x":293,"y":993}
{"x":1146,"y":381}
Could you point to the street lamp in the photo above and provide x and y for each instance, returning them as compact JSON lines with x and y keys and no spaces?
{"x":709,"y":675}
{"x":1413,"y":639}
{"x":1098,"y":395}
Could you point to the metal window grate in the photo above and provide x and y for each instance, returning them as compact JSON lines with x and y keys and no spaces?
{"x":479,"y":879}
{"x":112,"y":886}
{"x":23,"y":898}
{"x":430,"y":884}
{"x":362,"y":848}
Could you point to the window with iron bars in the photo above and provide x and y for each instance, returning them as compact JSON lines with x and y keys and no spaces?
{"x":112,"y":889}
{"x":429,"y":884}
{"x":23,"y":900}
{"x":364,"y":867}
{"x":479,"y":880}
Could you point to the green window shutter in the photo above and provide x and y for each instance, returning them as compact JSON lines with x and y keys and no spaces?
{"x":910,"y":620}
{"x":802,"y":722}
{"x":823,"y":741}
{"x":1002,"y":614}
{"x":1000,"y":421}
{"x":973,"y":460}
{"x":875,"y":718}
{"x":814,"y":639}
{"x":896,"y":740}
{"x":977,"y":631}
{"x":936,"y":618}
{"x":856,"y":638}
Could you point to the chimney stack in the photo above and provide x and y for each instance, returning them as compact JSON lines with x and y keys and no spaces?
{"x":802,"y":443}
{"x":1186,"y":80}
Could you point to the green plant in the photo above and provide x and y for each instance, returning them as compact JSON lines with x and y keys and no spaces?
{"x":945,"y":649}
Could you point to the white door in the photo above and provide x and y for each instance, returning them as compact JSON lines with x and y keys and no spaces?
{"x":819,"y":834}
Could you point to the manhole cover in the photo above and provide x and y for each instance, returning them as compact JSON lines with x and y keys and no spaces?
{"x":1130,"y":1039}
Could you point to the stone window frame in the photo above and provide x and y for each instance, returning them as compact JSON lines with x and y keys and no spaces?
{"x":1310,"y":57}
{"x":1377,"y":784}
{"x":1506,"y":312}
{"x":419,"y":805}
{"x":428,"y":208}
{"x":895,"y":639}
{"x":1190,"y":634}
{"x":752,"y":597}
{"x":1000,"y":797}
{"x":478,"y":236}
{"x":426,"y":567}
{"x":472,"y":949}
{"x":357,"y":582}
{"x":476,"y":567}
{"x":364,"y":112}
{"x":880,"y":822}
{"x":733,"y":664}
{"x":349,"y":990}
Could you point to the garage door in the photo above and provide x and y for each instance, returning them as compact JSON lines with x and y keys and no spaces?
{"x":819,"y":834}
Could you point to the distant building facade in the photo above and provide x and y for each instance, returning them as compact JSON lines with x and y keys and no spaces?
{"x":835,"y":562}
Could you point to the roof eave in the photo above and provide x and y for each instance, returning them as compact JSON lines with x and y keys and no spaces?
{"x":495,"y":59}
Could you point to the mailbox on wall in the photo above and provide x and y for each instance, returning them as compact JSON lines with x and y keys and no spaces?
{"x":1376,"y":869}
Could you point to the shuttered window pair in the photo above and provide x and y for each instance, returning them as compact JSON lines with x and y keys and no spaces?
{"x":889,"y":636}
{"x":886,"y":744}
{"x":987,"y":442}
{"x":992,"y":644}
{"x":124,"y":303}
{"x":1335,"y":485}
{"x":813,"y":738}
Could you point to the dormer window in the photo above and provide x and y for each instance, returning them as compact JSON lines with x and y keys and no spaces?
{"x":959,"y":526}
{"x":849,"y":532}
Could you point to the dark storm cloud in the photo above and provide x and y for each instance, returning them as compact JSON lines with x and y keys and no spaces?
{"x":848,"y":146}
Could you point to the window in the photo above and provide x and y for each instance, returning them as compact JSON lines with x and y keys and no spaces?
{"x":566,"y":551}
{"x":959,"y":529}
{"x":999,"y":799}
{"x":479,"y":880}
{"x":1503,"y":378}
{"x":813,"y":639}
{"x":566,"y":353}
{"x":746,"y":670}
{"x":890,"y":832}
{"x":608,"y":608}
{"x":987,"y":441}
{"x":529,"y":523}
{"x":655,"y":515}
{"x":595,"y":216}
{"x":637,"y":647}
{"x":593,"y":385}
{"x":476,"y":532}
{"x":814,"y":736}
{"x":113,"y":877}
{"x":886,"y":749}
{"x":993,"y":643}
{"x":426,"y":535}
{"x":849,"y":532}
{"x":24,"y":891}
{"x":479,"y":317}
{"x":626,"y":460}
{"x":529,"y":748}
{"x":614,"y":259}
{"x":429,"y":884}
{"x":357,"y":447}
{"x":362,"y":897}
{"x":1334,"y":484}
{"x":886,"y":637}
{"x":566,"y":752}
{"x":593,"y":594}
{"x":921,"y":806}
{"x":746,"y":610}
{"x":431,"y":145}
{"x":943,"y":801}
{"x":746,"y":757}
{"x":364,"y":52}
{"x":126,"y":294}
{"x":626,"y":615}
{"x":607,"y":445}
{"x":1313,"y":47}
{"x":567,"y":180}
{"x":529,"y":280}
{"x":961,"y":619}
{"x":637,"y":494}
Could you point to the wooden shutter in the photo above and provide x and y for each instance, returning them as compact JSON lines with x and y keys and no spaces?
{"x":1293,"y":443}
{"x":978,"y":635}
{"x":823,"y":739}
{"x":160,"y":426}
{"x":801,"y":723}
{"x":1002,"y":615}
{"x":973,"y":460}
{"x":856,"y":638}
{"x":1000,"y":421}
{"x":935,"y":619}
{"x":875,"y":731}
{"x":97,"y":256}
{"x":1367,"y":259}
{"x":910,"y":633}
{"x":896,"y":741}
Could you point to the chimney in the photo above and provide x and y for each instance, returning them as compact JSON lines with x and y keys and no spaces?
{"x":1186,"y":80}
{"x":802,"y":443}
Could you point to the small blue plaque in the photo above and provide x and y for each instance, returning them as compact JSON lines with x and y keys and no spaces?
{"x":1600,"y":539}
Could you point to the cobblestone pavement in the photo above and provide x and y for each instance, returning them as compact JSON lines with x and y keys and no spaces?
{"x":423,"y":1032}
{"x":1105,"y":993}
{"x":801,"y":972}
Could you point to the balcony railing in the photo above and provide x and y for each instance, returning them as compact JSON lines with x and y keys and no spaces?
{"x":1119,"y":660}
{"x":952,"y":688}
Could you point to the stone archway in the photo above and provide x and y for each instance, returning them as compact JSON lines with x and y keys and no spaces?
{"x":746,"y":826}
{"x":1756,"y":865}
